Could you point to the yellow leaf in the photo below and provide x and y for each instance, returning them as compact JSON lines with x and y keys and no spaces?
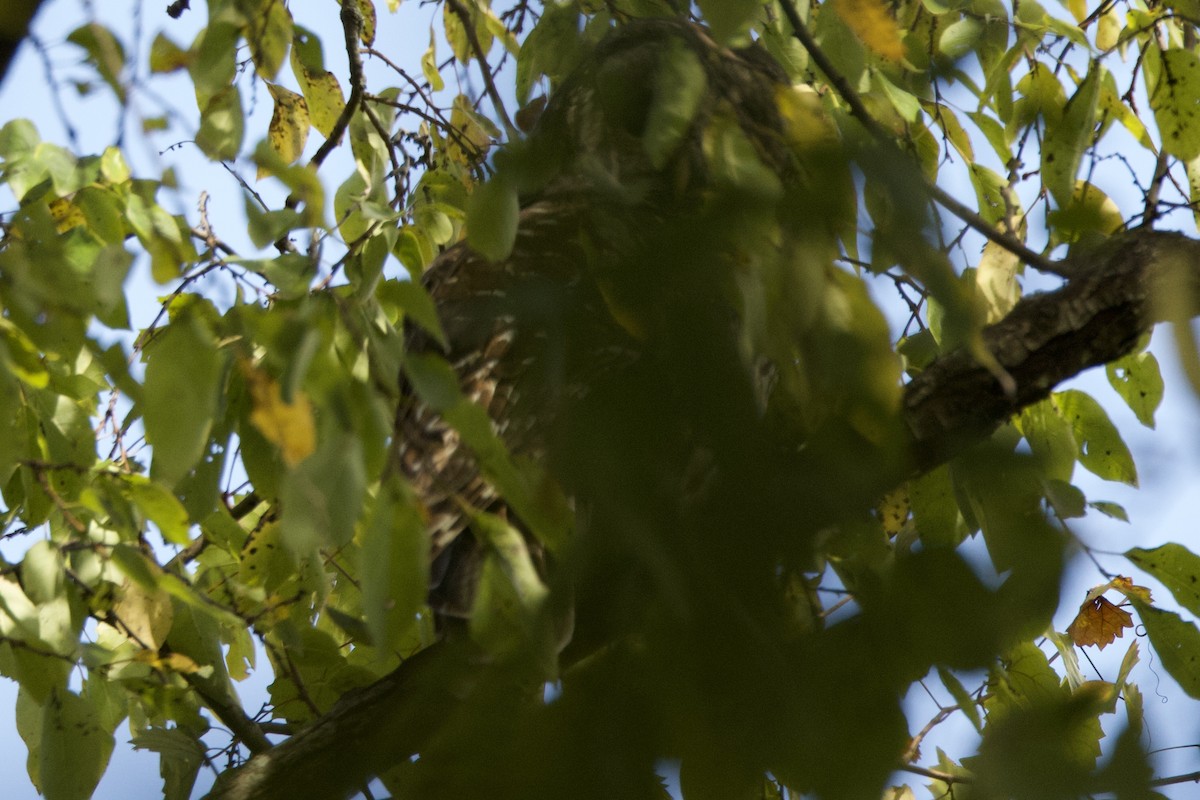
{"x":325,"y":100}
{"x":147,"y":614}
{"x":1126,"y":587}
{"x":66,"y":214}
{"x":996,"y":280}
{"x":893,"y":510}
{"x":171,"y":662}
{"x":288,"y":132}
{"x":287,"y":425}
{"x":806,"y":122}
{"x":1108,"y":29}
{"x":367,"y":34}
{"x":874,"y":25}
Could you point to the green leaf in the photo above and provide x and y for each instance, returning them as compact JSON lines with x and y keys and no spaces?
{"x":394,"y":569}
{"x":735,"y":163}
{"x":222,"y":125}
{"x":181,"y":755}
{"x":1175,"y":99}
{"x":1175,"y":567}
{"x":429,"y":65}
{"x":1068,"y":138}
{"x":161,"y":507}
{"x":322,"y":497}
{"x":729,"y":18}
{"x":166,"y":56}
{"x":29,"y":725}
{"x":1177,"y":643}
{"x":510,"y":591}
{"x":180,"y":399}
{"x":1070,"y":660}
{"x":1139,"y":382}
{"x":215,"y":62}
{"x":105,"y":53}
{"x":493,"y":214}
{"x":966,"y":703}
{"x":679,"y":86}
{"x":959,"y":38}
{"x":1068,"y":500}
{"x":934,"y":509}
{"x":416,"y":304}
{"x":75,"y":747}
{"x":1101,"y":449}
{"x":269,"y":33}
{"x":1050,"y":437}
{"x":1109,"y":509}
{"x":42,"y":572}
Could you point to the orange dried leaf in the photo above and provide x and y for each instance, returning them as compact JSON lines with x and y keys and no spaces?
{"x":1098,"y":622}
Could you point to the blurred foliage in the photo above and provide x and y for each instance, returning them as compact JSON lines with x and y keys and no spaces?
{"x":753,"y":575}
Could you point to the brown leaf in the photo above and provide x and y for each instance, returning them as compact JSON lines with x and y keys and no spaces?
{"x":1099,"y":622}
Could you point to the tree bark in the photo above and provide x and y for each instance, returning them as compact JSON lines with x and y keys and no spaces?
{"x":14,"y":26}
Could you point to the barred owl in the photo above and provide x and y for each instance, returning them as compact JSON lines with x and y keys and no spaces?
{"x":524,"y":336}
{"x":587,"y":290}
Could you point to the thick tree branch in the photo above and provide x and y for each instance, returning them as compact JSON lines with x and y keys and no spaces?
{"x":367,"y":731}
{"x":1047,"y":338}
{"x":14,"y":25}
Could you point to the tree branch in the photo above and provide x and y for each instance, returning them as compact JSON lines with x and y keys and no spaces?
{"x":367,"y":731}
{"x":14,"y":25}
{"x":1047,"y":338}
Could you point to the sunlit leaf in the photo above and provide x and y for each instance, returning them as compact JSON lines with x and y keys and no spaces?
{"x":1139,"y":382}
{"x":146,"y":614}
{"x":1101,"y":449}
{"x":75,"y":747}
{"x":166,"y":56}
{"x":1175,"y":567}
{"x":221,"y":125}
{"x":288,"y":130}
{"x":322,"y":91}
{"x":429,"y":65}
{"x":1177,"y":643}
{"x":1175,"y":99}
{"x":1066,"y":139}
{"x":872,"y":22}
{"x":182,"y":377}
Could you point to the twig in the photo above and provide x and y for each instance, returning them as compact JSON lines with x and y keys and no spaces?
{"x":55,"y":91}
{"x":352,"y":23}
{"x":859,"y":111}
{"x":464,"y":15}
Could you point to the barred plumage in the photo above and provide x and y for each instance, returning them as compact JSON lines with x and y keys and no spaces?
{"x":525,"y":335}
